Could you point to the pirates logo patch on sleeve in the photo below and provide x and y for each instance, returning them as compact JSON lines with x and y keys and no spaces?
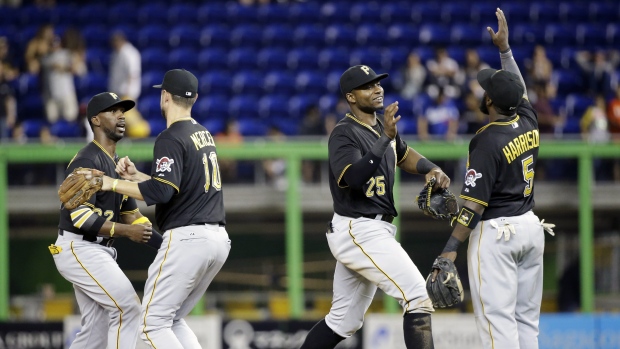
{"x":164,"y":164}
{"x":471,"y":176}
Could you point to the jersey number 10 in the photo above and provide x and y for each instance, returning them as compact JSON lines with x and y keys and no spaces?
{"x":214,"y":178}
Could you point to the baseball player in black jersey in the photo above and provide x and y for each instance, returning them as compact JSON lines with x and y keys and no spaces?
{"x":186,"y":187}
{"x":363,"y":154}
{"x":506,"y":239}
{"x":83,"y":252}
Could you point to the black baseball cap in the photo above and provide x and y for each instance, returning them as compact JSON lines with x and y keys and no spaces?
{"x":503,"y":87}
{"x":106,"y":100}
{"x":357,"y":76}
{"x":180,"y":82}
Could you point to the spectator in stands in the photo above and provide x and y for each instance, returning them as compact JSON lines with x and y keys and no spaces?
{"x":39,"y":47}
{"x":539,"y":68}
{"x":311,"y":125}
{"x":439,"y":119}
{"x":548,"y":119}
{"x":613,"y":118}
{"x":230,"y":135}
{"x":594,"y":122}
{"x":59,"y":68}
{"x":8,"y":109}
{"x":126,"y":81}
{"x":415,"y":76}
{"x":473,"y":118}
{"x":598,"y":69}
{"x":443,"y":69}
{"x":275,"y":169}
{"x":473,"y":65}
{"x":8,"y":62}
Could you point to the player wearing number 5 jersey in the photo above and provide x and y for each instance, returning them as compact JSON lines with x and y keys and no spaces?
{"x":505,"y":254}
{"x":185,"y":186}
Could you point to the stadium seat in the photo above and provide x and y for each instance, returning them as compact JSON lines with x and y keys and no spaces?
{"x":273,"y":106}
{"x":435,"y":34}
{"x":334,"y":58}
{"x":489,"y":55}
{"x":97,"y":59}
{"x":152,"y":77}
{"x":288,"y":126}
{"x":96,"y":36}
{"x":273,"y":13}
{"x":613,"y":34}
{"x":309,"y":36}
{"x":149,"y":106}
{"x":252,"y":128}
{"x":246,"y":35}
{"x":31,"y":107}
{"x":483,"y":13}
{"x":299,"y":104}
{"x":154,"y":59}
{"x":213,"y":125}
{"x":544,"y":12}
{"x":572,"y":12}
{"x":455,"y":12}
{"x":157,"y":125}
{"x":339,"y":35}
{"x":328,"y":102}
{"x":247,"y":82}
{"x":310,"y":82}
{"x":212,"y":59}
{"x":66,"y":129}
{"x":423,"y":12}
{"x":277,"y":35}
{"x":567,"y":81}
{"x":365,"y":56}
{"x":364,"y":12}
{"x":467,"y":34}
{"x":395,"y":57}
{"x":183,"y":58}
{"x":153,"y":35}
{"x":215,"y":36}
{"x":304,"y":12}
{"x":30,"y":14}
{"x":91,"y":84}
{"x":516,"y":12}
{"x":395,"y":13}
{"x":32,"y":127}
{"x":333,"y":81}
{"x":303,"y":58}
{"x":243,"y":107}
{"x":604,"y":12}
{"x":239,"y":13}
{"x":128,"y":30}
{"x":212,"y":107}
{"x":122,"y":13}
{"x":560,"y":34}
{"x":215,"y":82}
{"x":242,"y":59}
{"x":528,"y":33}
{"x":9,"y":16}
{"x":155,"y":12}
{"x":335,"y":12}
{"x":457,"y":53}
{"x":370,"y":34}
{"x":279,"y":82}
{"x":592,"y":35}
{"x":184,"y":35}
{"x":86,"y":13}
{"x":212,"y":12}
{"x":182,"y":14}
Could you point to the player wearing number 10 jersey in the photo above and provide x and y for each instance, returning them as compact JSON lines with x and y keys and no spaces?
{"x":186,"y":187}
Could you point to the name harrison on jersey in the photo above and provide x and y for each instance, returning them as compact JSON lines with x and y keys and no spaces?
{"x":202,"y":139}
{"x":521,"y":144}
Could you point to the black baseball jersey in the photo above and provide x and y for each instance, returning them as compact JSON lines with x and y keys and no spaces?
{"x":500,"y":167}
{"x":350,"y":140}
{"x":88,"y":218}
{"x":185,"y":158}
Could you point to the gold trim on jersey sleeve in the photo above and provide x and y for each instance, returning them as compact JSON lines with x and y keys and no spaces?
{"x":349,"y":115}
{"x":120,"y":320}
{"x":501,"y":123}
{"x":167,"y":182}
{"x":474,"y":200}
{"x":404,"y":156}
{"x":342,"y":175}
{"x":130,"y":212}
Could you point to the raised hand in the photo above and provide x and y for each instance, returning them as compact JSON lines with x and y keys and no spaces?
{"x":126,"y":169}
{"x":389,"y":120}
{"x":500,"y":39}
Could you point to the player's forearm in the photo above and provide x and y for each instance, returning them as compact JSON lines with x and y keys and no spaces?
{"x":509,"y":64}
{"x":463,"y":228}
{"x":416,"y":163}
{"x":359,"y":172}
{"x":120,"y":186}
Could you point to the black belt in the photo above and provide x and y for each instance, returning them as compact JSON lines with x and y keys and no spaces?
{"x":107,"y":242}
{"x":385,"y":217}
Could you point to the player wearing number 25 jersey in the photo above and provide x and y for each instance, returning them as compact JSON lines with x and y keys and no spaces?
{"x":186,"y":187}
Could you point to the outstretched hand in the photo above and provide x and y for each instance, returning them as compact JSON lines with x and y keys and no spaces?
{"x":389,"y":120}
{"x":500,"y":39}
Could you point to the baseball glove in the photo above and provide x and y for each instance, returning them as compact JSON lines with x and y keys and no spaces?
{"x":440,"y":204}
{"x":76,"y":189}
{"x":447,"y":289}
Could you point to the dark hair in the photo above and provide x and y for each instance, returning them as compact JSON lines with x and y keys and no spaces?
{"x":183,"y":102}
{"x":503,"y":111}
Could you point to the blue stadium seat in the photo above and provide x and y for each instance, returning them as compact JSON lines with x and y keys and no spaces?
{"x":560,"y":34}
{"x":528,"y":33}
{"x":152,"y":13}
{"x":371,"y":34}
{"x":489,"y":55}
{"x":516,"y":12}
{"x":288,"y":126}
{"x":279,"y":82}
{"x":328,"y":102}
{"x":242,"y":59}
{"x":396,"y":57}
{"x":246,"y":35}
{"x":273,"y":13}
{"x":457,"y":53}
{"x":238,"y":13}
{"x":613,"y":34}
{"x":213,"y":125}
{"x":247,"y":82}
{"x":426,"y":52}
{"x":9,"y":16}
{"x":212,"y":107}
{"x":304,"y":12}
{"x":310,"y":82}
{"x":122,"y":13}
{"x":212,"y":59}
{"x":183,"y":58}
{"x":576,"y":106}
{"x":455,"y":12}
{"x":272,"y":106}
{"x":571,"y":12}
{"x":309,"y":35}
{"x":91,"y":84}
{"x":426,"y":12}
{"x":182,"y":14}
{"x":66,"y":129}
{"x":303,"y":58}
{"x":153,"y":35}
{"x":604,"y":12}
{"x":397,"y":12}
{"x":212,"y":12}
{"x":403,"y":34}
{"x":157,"y":125}
{"x":335,"y":12}
{"x":98,"y":59}
{"x":334,"y":58}
{"x":149,"y":106}
{"x":467,"y":34}
{"x":152,"y":77}
{"x":333,"y":81}
{"x":243,"y":107}
{"x":87,"y":12}
{"x":483,"y":13}
{"x":367,"y":56}
{"x":340,"y":35}
{"x":184,"y":35}
{"x":215,"y":82}
{"x":31,"y":107}
{"x":435,"y":34}
{"x":544,"y":12}
{"x":567,"y":81}
{"x":364,"y":12}
{"x":30,"y":14}
{"x":32,"y":128}
{"x":299,"y":104}
{"x":277,"y":35}
{"x":154,"y":58}
{"x":215,"y":35}
{"x":252,"y":128}
{"x":592,"y":35}
{"x":96,"y":36}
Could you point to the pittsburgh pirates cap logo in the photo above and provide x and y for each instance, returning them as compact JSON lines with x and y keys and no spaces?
{"x":365,"y":69}
{"x":114,"y":95}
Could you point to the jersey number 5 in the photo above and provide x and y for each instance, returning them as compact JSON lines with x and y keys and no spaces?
{"x":214,"y":179}
{"x":528,"y":175}
{"x":379,"y":183}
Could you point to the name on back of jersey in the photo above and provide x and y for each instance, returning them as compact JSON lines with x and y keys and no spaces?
{"x":202,"y":139}
{"x":520,"y":144}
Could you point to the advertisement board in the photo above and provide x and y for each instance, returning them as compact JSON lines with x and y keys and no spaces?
{"x":31,"y":335}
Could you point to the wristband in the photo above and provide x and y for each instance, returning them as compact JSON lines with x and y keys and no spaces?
{"x":141,"y":220}
{"x":505,"y":51}
{"x":424,"y":166}
{"x":467,"y":218}
{"x":114,"y":185}
{"x":452,"y":245}
{"x":112,"y":230}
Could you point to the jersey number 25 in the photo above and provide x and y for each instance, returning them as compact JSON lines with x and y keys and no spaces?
{"x":214,"y":178}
